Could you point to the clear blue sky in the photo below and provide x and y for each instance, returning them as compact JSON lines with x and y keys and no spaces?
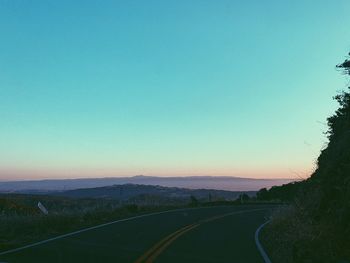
{"x":104,"y":88}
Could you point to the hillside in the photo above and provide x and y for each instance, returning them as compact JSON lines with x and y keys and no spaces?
{"x":316,"y":228}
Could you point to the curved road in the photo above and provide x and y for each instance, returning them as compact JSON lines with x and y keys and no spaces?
{"x":211,"y":234}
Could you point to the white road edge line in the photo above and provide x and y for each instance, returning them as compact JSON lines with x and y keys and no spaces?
{"x":258,"y":244}
{"x":101,"y":225}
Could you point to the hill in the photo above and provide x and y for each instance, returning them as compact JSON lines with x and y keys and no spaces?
{"x":128,"y":191}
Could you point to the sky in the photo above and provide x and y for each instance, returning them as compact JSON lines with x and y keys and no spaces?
{"x":168,"y":88}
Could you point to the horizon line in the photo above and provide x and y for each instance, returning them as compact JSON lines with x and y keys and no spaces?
{"x":140,"y":175}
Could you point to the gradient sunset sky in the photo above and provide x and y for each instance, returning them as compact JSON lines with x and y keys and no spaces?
{"x":119,"y":88}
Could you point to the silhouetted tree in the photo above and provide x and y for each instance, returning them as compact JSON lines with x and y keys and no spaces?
{"x":262,"y":194}
{"x":194,"y":201}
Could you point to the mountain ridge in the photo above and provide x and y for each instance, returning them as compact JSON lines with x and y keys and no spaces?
{"x":228,"y":183}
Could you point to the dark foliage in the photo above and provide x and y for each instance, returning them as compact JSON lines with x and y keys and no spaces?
{"x":316,"y":228}
{"x":283,"y":193}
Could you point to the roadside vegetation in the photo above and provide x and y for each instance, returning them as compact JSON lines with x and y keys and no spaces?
{"x":316,"y":226}
{"x":21,"y":222}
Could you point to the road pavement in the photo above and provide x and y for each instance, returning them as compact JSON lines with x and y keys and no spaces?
{"x":210,"y":234}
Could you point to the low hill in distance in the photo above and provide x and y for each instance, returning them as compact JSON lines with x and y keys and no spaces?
{"x":191,"y":182}
{"x":135,"y":191}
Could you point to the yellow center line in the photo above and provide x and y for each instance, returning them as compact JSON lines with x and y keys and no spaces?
{"x":158,"y":251}
{"x":150,"y":255}
{"x":155,"y":247}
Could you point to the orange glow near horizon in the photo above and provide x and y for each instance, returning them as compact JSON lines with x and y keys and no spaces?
{"x":41,"y":174}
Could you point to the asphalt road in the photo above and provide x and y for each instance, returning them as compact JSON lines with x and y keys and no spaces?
{"x":215,"y":234}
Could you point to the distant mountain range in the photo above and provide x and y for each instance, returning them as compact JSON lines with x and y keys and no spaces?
{"x":191,"y":182}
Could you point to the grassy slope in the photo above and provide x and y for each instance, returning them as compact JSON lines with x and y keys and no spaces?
{"x":22,"y":223}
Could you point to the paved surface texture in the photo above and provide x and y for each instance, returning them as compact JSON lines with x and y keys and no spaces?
{"x":213,"y":234}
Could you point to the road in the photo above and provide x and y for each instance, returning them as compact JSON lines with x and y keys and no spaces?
{"x":212,"y":234}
